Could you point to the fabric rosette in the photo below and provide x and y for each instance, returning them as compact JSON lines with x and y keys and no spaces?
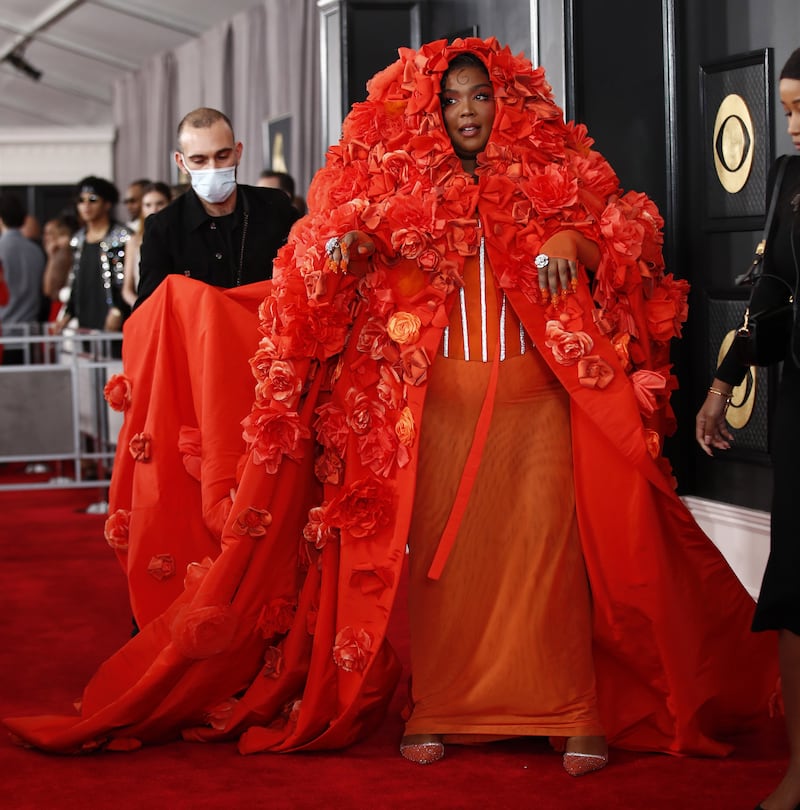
{"x":118,"y":392}
{"x":199,"y":633}
{"x":140,"y":447}
{"x":219,"y":716}
{"x":276,"y":617}
{"x":403,"y":327}
{"x":567,"y":347}
{"x":649,"y":387}
{"x":272,"y":434}
{"x":352,"y":649}
{"x":594,"y":372}
{"x":318,"y":532}
{"x":161,"y":567}
{"x":273,"y":663}
{"x":362,"y":508}
{"x":117,"y":528}
{"x":252,"y":522}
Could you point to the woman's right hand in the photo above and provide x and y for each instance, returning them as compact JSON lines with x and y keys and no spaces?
{"x":710,"y":428}
{"x":354,"y":259}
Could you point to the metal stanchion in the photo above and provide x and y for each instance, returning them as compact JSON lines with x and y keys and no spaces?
{"x":53,"y":415}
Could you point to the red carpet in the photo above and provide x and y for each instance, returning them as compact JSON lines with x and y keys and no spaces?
{"x":64,"y":609}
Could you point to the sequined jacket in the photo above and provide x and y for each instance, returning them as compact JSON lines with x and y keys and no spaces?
{"x":111,"y":273}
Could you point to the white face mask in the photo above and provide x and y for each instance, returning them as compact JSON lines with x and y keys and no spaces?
{"x":214,"y":185}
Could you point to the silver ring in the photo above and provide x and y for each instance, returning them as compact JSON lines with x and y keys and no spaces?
{"x":541,"y":261}
{"x":331,"y":245}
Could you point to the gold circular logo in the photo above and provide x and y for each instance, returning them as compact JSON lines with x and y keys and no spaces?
{"x":743,"y":396}
{"x":734,"y":142}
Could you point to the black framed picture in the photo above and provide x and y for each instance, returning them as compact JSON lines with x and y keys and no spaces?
{"x":736,"y":105}
{"x":277,"y":143}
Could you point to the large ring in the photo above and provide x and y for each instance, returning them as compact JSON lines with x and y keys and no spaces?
{"x":541,"y":261}
{"x":331,"y":245}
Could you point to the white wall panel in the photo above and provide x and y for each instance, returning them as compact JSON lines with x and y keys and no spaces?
{"x":53,"y":156}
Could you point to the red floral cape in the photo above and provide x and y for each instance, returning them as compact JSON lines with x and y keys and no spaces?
{"x":276,"y":633}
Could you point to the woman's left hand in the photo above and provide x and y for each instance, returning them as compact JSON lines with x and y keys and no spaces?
{"x":557,"y":264}
{"x":711,"y":428}
{"x":559,"y":275}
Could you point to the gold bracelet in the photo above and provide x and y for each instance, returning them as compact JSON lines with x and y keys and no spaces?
{"x":726,"y":397}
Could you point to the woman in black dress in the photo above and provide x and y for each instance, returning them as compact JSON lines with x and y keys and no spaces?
{"x":779,"y":601}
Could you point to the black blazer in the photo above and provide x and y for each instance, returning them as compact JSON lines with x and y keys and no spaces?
{"x":183,"y":238}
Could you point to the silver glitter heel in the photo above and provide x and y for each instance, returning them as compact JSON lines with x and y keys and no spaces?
{"x":577,"y":764}
{"x":422,"y":753}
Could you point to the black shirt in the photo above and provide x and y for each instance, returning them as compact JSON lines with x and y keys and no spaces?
{"x":224,"y":251}
{"x":89,"y":298}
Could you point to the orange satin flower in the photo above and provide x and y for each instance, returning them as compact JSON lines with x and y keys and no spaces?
{"x":252,"y":522}
{"x":139,"y":447}
{"x":276,"y":618}
{"x":352,"y":649}
{"x":117,"y":392}
{"x":116,"y":529}
{"x":403,"y":327}
{"x":161,"y":567}
{"x":567,"y":347}
{"x":594,"y":372}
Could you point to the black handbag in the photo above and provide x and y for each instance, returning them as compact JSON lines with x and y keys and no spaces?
{"x":766,"y":333}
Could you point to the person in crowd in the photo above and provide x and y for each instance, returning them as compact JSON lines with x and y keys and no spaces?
{"x":220,"y":232}
{"x":155,"y":197}
{"x":464,"y":350}
{"x":56,"y":238}
{"x":32,"y":229}
{"x":133,"y":203}
{"x":270,"y":178}
{"x":95,"y":283}
{"x":23,"y":263}
{"x":778,"y":605}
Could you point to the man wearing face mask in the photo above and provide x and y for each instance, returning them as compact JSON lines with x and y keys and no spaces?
{"x":219,"y":232}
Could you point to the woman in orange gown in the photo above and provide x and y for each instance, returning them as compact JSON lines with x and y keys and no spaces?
{"x":435,"y":367}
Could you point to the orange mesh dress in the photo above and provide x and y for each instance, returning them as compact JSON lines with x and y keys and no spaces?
{"x":501,"y":643}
